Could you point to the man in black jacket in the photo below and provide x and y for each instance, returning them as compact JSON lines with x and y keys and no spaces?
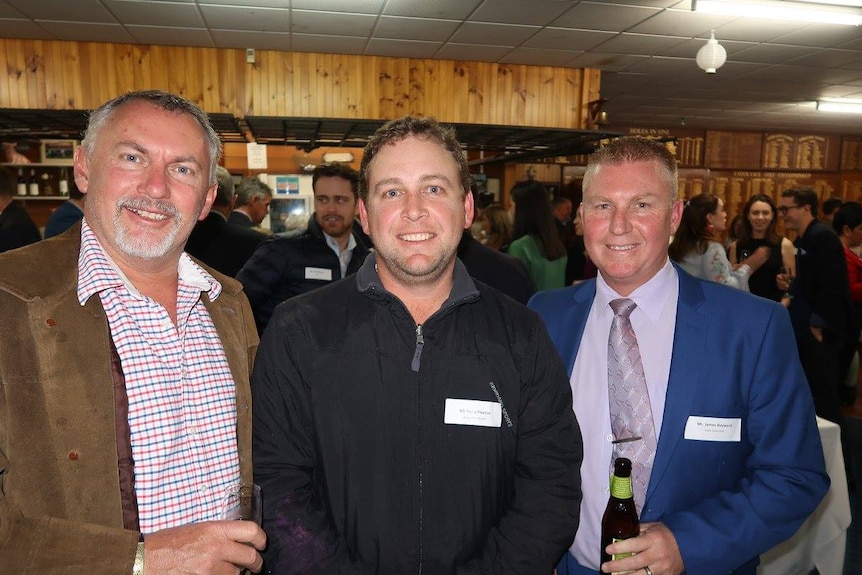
{"x":820,"y":306}
{"x":330,"y":249}
{"x":408,"y":419}
{"x":223,"y":246}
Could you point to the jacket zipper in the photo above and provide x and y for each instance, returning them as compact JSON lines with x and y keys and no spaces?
{"x":417,"y":354}
{"x":417,"y":357}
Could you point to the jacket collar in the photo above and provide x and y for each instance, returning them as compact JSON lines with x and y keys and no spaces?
{"x":463,"y":287}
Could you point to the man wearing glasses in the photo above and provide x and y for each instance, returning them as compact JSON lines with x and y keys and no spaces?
{"x":820,"y":304}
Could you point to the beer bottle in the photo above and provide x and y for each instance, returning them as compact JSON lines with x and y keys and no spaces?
{"x":620,"y":520}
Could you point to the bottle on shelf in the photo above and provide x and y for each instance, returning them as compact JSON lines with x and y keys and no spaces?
{"x":64,"y":183}
{"x":22,"y":183}
{"x":620,"y":520}
{"x":34,"y":184}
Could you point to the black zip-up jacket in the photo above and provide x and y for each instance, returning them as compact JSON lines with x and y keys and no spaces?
{"x":360,"y":471}
{"x":281,"y":268}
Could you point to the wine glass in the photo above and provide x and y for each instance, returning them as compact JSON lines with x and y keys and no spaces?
{"x":243,"y":502}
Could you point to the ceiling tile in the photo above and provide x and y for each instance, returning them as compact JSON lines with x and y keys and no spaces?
{"x":164,"y":36}
{"x":533,"y":12}
{"x":7,"y":11}
{"x":672,"y":22}
{"x":604,"y":61}
{"x":538,"y":57}
{"x":640,"y":44}
{"x":328,"y":44}
{"x":78,"y":11}
{"x":568,"y":39}
{"x":334,"y":23}
{"x":826,"y":58}
{"x":402,"y":48}
{"x":245,"y":18}
{"x":87,"y":32}
{"x":605,"y":16}
{"x":23,"y":29}
{"x":447,"y":9}
{"x":243,"y":39}
{"x":493,"y":34}
{"x":246,"y":3}
{"x":415,"y":28}
{"x":820,"y":35}
{"x":769,"y":53}
{"x":156,"y":14}
{"x":469,"y":52}
{"x":352,"y":6}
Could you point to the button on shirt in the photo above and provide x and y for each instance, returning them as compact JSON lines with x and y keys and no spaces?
{"x":653,"y":321}
{"x":182,"y":398}
{"x":343,"y":255}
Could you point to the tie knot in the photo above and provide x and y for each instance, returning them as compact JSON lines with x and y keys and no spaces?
{"x":623,"y":307}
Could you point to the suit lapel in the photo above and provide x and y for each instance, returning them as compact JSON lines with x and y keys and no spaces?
{"x":567,"y":326}
{"x":689,"y":344}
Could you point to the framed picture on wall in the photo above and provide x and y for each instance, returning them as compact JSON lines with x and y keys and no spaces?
{"x":59,"y":152}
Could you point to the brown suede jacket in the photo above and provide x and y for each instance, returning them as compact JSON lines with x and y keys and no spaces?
{"x":60,"y":498}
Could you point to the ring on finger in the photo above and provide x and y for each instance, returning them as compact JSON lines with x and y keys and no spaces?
{"x":647,"y":570}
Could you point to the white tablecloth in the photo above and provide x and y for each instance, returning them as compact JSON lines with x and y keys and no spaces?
{"x":821,"y":540}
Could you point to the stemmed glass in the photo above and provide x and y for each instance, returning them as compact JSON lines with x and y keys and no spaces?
{"x":243,"y":502}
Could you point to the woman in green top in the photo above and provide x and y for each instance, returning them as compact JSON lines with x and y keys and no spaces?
{"x":537,"y":242}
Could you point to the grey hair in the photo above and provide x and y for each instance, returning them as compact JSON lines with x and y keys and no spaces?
{"x":165,"y":101}
{"x":635,"y":149}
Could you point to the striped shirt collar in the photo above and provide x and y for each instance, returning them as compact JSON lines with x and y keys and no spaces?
{"x":97,"y":271}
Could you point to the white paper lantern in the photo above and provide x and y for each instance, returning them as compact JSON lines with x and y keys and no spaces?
{"x":711,"y":55}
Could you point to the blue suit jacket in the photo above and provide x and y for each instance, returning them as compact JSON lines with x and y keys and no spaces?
{"x":734,"y":356}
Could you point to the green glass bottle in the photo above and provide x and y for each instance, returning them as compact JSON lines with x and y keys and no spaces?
{"x":620,"y":520}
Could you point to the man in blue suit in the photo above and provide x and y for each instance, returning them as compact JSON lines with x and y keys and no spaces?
{"x":738,"y":464}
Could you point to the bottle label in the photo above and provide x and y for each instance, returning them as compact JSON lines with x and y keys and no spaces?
{"x":619,"y":556}
{"x":621,"y":487}
{"x":22,"y":189}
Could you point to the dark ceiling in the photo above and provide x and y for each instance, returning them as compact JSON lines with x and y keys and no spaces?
{"x":497,"y":143}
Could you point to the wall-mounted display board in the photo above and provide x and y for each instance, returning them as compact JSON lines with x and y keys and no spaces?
{"x":737,"y":186}
{"x":733,"y":150}
{"x":800,"y":152}
{"x":851,"y":153}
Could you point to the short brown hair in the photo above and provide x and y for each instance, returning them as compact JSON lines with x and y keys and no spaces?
{"x":422,"y":127}
{"x":635,"y":149}
{"x":336,"y":170}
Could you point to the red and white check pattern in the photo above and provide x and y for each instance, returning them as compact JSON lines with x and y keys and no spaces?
{"x":182,"y":399}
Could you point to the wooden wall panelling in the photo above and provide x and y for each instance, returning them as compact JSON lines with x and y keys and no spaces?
{"x":82,"y":75}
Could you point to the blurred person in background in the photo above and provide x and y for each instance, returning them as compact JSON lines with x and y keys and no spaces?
{"x":67,"y":214}
{"x":695,"y":250}
{"x":536,"y":241}
{"x":830,"y":206}
{"x":252,"y":203}
{"x":847,"y":223}
{"x":759,"y":219}
{"x":217,"y":243}
{"x":496,"y":227}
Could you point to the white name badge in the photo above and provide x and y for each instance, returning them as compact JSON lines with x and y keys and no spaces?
{"x":472,"y":412}
{"x":713,"y":428}
{"x":318,"y":274}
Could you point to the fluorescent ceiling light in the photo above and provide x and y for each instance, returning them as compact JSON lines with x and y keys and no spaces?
{"x":845,"y":106}
{"x":812,"y":11}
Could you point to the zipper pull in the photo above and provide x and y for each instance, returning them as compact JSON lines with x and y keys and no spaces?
{"x":417,"y":354}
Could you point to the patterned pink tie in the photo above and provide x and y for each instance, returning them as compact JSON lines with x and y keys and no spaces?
{"x":631,"y":414}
